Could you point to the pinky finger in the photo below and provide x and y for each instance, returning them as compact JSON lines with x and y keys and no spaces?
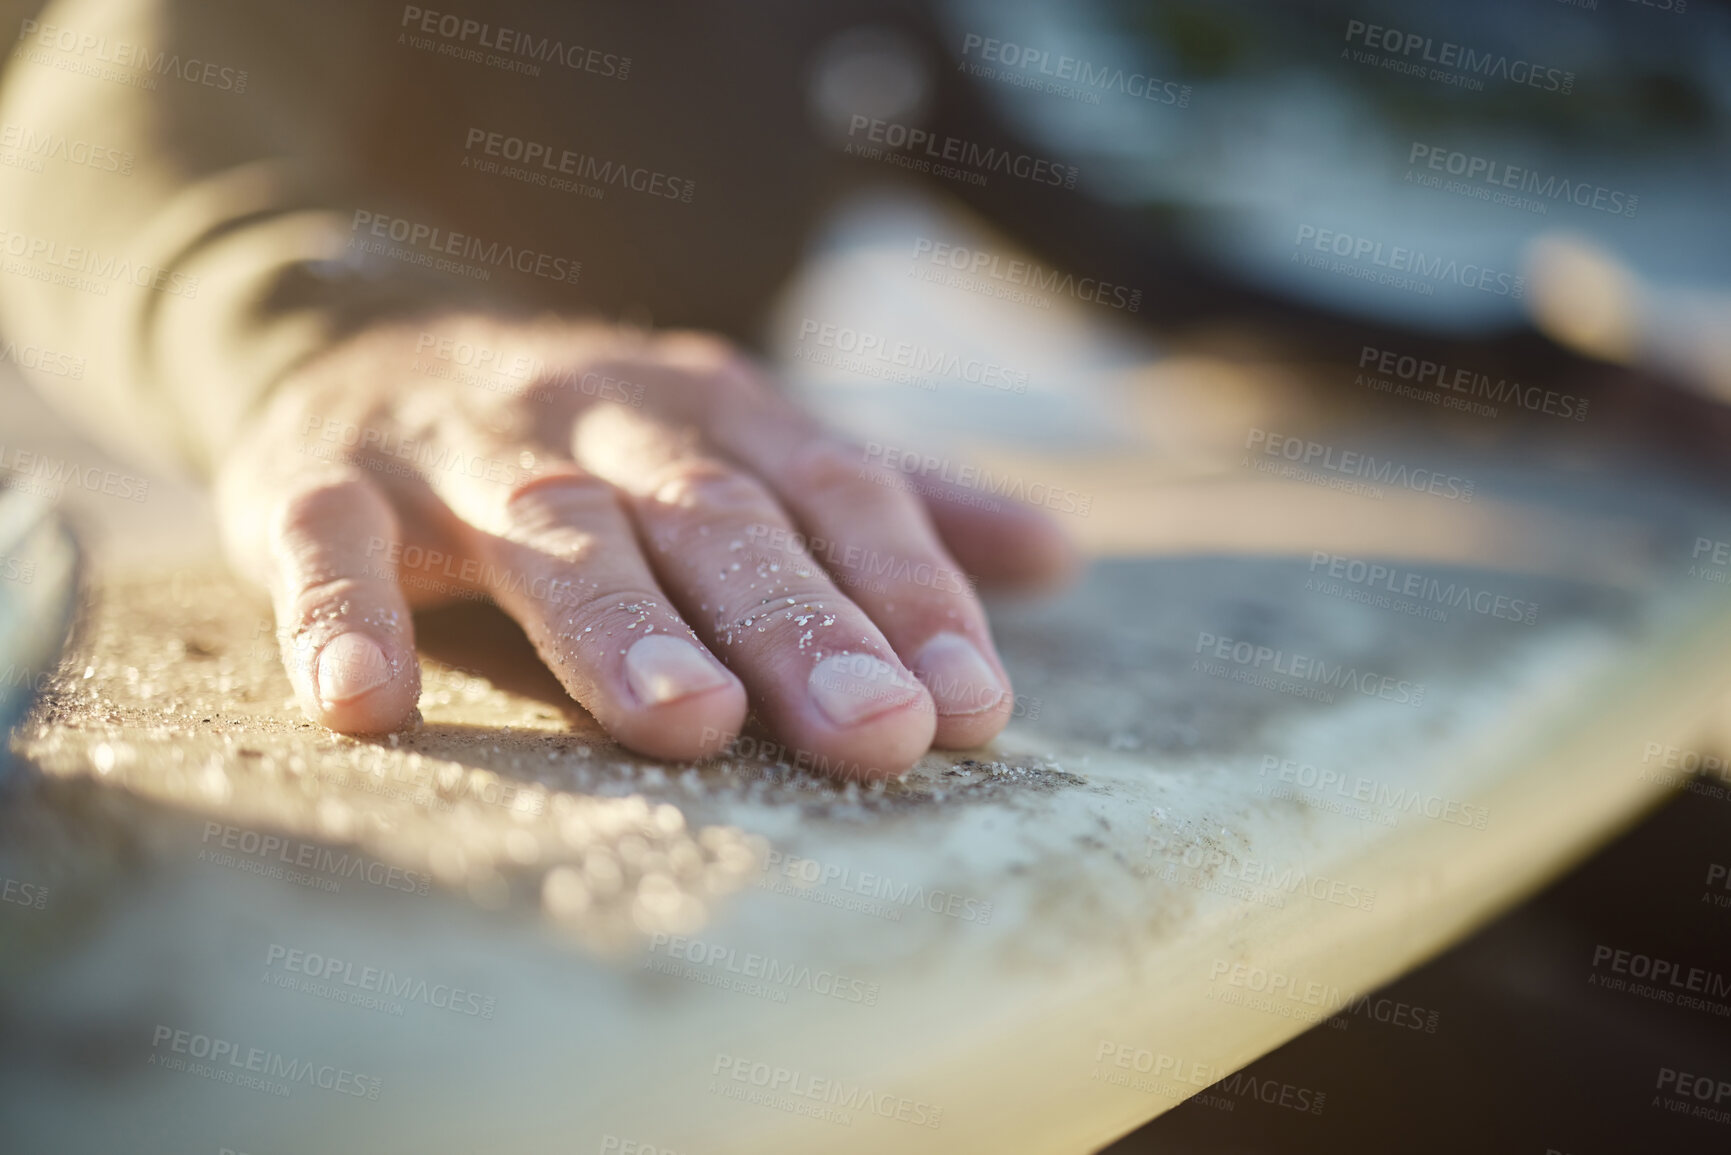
{"x":1006,"y":544}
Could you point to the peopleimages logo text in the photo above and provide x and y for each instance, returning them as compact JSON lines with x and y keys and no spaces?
{"x":102,"y":268}
{"x":445,"y":242}
{"x":1495,"y":173}
{"x":980,"y":158}
{"x":1398,"y":799}
{"x":1306,"y":669}
{"x":1366,"y":466}
{"x":377,"y":980}
{"x":1469,"y":61}
{"x":1099,"y":77}
{"x":310,"y":856}
{"x":48,"y":145}
{"x":1470,"y":382}
{"x":1415,"y":262}
{"x":1019,"y":272}
{"x":836,"y":1093}
{"x":256,"y":1061}
{"x":811,"y":872}
{"x":544,"y":163}
{"x":90,"y":47}
{"x":513,"y":42}
{"x":1393,"y":579}
{"x":764,"y":968}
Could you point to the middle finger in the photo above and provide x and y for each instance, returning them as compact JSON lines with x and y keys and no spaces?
{"x":818,"y":669}
{"x":558,"y":554}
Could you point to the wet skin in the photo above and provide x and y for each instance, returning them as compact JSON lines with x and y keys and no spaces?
{"x":644,"y":506}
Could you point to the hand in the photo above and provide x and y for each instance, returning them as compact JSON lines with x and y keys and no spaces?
{"x":636,"y":502}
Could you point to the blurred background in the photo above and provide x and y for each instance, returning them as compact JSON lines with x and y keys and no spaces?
{"x":1581,"y":171}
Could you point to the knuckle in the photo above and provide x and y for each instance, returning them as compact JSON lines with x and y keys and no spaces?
{"x":710,"y":490}
{"x":714,"y":364}
{"x":318,"y":528}
{"x":796,"y":619}
{"x":564,"y":501}
{"x":826,"y":467}
{"x":322,"y":608}
{"x":317,"y":501}
{"x":593,"y":619}
{"x":320,"y":601}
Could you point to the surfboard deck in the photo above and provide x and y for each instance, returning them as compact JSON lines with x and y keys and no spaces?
{"x":500,"y":932}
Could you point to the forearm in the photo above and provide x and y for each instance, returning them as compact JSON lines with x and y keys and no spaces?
{"x":207,"y":252}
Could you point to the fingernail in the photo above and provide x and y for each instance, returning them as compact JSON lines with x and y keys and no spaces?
{"x":849,"y":688}
{"x":662,"y":668}
{"x":958,"y":676}
{"x":349,"y":666}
